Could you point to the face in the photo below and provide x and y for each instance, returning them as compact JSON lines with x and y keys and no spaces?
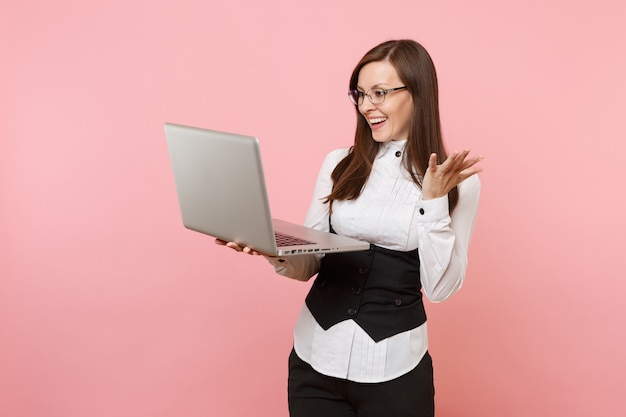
{"x":391,"y":119}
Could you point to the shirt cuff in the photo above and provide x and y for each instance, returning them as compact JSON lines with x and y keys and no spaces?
{"x":299,"y":267}
{"x":432,"y":210}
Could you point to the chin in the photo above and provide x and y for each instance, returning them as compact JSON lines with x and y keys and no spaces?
{"x":381,"y":139}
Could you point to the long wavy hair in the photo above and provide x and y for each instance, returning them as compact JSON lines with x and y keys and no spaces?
{"x":417,"y":71}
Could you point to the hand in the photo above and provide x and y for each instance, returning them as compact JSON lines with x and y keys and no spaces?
{"x":440,"y":179}
{"x":236,"y":247}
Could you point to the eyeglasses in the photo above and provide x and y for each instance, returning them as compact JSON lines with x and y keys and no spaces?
{"x":375,"y":95}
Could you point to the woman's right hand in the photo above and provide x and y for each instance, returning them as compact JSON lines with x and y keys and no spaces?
{"x":236,"y":247}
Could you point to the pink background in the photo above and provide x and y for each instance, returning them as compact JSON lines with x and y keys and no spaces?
{"x":109,"y":307}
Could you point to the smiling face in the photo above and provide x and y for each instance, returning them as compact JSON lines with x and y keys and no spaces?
{"x":391,"y":119}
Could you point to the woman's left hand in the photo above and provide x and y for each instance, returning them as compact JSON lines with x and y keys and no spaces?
{"x":440,"y":179}
{"x":236,"y":247}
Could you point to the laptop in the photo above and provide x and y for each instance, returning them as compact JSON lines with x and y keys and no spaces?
{"x":221,"y":193}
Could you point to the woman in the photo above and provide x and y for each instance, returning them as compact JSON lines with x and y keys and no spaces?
{"x":360,"y":343}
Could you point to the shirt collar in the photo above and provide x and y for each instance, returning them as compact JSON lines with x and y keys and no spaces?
{"x":392,"y":147}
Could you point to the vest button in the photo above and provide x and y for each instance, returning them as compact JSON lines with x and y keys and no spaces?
{"x":356,"y":290}
{"x":351,"y":311}
{"x":397,"y":301}
{"x":363,"y":270}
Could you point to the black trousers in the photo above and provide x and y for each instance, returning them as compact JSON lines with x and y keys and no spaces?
{"x":312,"y":394}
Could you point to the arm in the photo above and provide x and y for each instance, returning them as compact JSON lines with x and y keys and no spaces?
{"x":300,"y":267}
{"x":303,"y":267}
{"x":443,"y":240}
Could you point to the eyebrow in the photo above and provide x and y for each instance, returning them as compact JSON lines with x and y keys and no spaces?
{"x":379,"y":85}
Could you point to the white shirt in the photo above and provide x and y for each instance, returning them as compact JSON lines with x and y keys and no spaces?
{"x":390,"y":213}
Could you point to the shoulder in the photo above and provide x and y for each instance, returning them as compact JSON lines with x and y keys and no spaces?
{"x":337,"y":154}
{"x":470,"y":188}
{"x":334,"y":157}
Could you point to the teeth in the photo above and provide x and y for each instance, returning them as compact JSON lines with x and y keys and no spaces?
{"x":378,"y":120}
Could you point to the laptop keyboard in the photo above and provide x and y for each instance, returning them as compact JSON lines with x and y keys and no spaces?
{"x":286,"y":240}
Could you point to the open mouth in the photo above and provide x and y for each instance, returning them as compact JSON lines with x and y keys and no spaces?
{"x":377,"y":120}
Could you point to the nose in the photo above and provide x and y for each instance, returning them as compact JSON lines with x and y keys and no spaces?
{"x":366,"y":105}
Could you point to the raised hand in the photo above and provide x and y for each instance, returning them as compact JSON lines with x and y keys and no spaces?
{"x":440,"y":179}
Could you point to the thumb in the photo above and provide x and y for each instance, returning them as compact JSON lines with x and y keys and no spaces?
{"x":432,"y":161}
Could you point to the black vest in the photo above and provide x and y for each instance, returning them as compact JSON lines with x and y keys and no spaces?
{"x":378,"y":288}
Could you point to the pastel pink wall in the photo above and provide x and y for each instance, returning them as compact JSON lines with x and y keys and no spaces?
{"x":109,"y":307}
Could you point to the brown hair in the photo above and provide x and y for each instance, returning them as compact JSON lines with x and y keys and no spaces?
{"x":417,"y":71}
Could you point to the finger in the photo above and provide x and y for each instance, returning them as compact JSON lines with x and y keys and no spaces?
{"x":458,"y":167}
{"x":432,"y":161}
{"x":465,"y":174}
{"x":234,"y":246}
{"x":251,"y":251}
{"x":471,"y":168}
{"x":450,"y":164}
{"x":463,"y":154}
{"x":458,"y":161}
{"x":471,"y":161}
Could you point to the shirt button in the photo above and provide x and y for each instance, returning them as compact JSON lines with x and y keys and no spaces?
{"x":421,"y":211}
{"x":397,"y":301}
{"x":398,"y":154}
{"x":363,"y":270}
{"x":351,"y":311}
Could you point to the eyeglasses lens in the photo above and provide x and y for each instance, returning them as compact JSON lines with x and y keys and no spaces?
{"x":356,"y":97}
{"x":377,"y":95}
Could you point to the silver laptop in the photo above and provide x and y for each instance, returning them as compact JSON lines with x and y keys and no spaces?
{"x":221,"y":192}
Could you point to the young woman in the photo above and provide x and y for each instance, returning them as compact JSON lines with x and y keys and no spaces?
{"x":360,"y":342}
